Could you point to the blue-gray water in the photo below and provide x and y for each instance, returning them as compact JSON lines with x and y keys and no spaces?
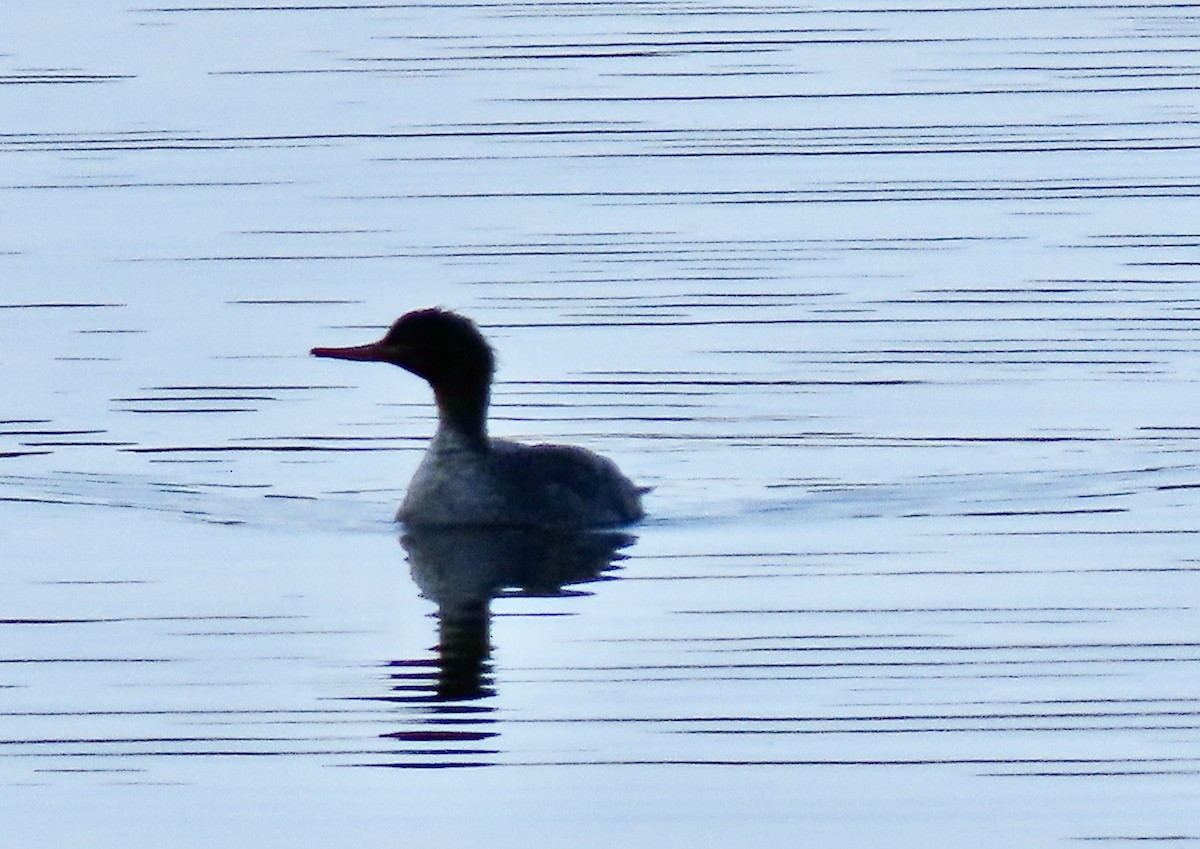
{"x":895,"y":309}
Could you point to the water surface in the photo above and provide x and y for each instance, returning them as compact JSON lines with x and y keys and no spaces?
{"x":894,"y":308}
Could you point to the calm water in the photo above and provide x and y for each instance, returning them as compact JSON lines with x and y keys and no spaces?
{"x":897,"y":310}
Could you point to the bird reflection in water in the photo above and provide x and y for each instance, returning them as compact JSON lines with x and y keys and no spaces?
{"x":461,"y":570}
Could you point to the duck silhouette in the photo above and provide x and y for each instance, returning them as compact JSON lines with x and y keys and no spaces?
{"x":467,"y":478}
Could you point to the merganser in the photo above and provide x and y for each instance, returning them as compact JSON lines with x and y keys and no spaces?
{"x":466,"y":478}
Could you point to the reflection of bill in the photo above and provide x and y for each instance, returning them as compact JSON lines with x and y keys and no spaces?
{"x":463,"y":569}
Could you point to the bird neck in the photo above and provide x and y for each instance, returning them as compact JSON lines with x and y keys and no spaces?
{"x":462,"y":413}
